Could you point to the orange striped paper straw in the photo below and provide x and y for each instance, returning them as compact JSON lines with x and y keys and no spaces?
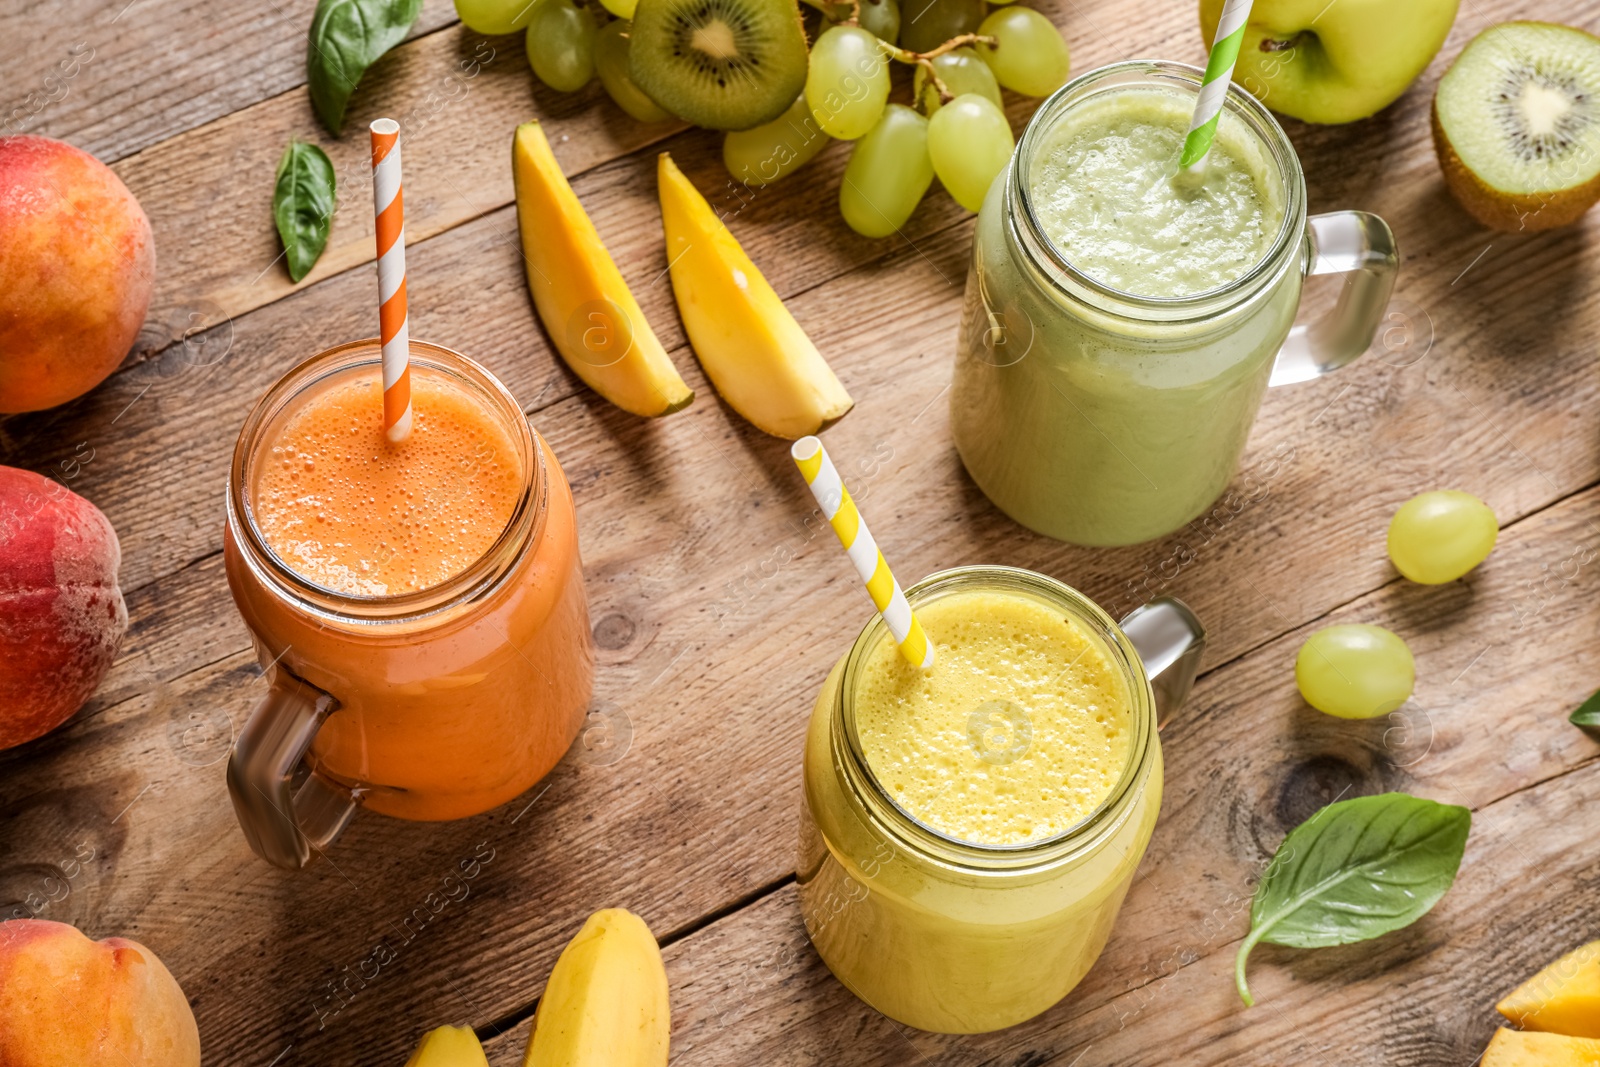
{"x":393,"y":325}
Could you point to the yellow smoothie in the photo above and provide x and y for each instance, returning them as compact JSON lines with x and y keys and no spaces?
{"x":1016,"y":734}
{"x":972,"y":830}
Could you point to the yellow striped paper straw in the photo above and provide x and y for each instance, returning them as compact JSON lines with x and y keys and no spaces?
{"x":840,"y":511}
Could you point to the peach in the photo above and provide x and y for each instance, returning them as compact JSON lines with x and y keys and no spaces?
{"x":77,"y":263}
{"x":67,"y":1000}
{"x":61,"y":612}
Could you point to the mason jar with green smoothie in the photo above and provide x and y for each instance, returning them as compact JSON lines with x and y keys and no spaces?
{"x":1123,"y":320}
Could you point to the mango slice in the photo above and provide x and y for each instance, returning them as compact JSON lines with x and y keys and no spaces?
{"x":449,"y":1046}
{"x":1528,"y":1048}
{"x":1564,"y":998}
{"x":753,"y":351}
{"x":590,"y":314}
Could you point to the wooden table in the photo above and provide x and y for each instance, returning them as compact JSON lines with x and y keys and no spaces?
{"x":717,"y":610}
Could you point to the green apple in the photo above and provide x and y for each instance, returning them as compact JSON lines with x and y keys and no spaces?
{"x":1334,"y":62}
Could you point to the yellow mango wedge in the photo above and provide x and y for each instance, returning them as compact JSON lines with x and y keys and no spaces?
{"x":587,"y":309}
{"x":449,"y":1046}
{"x":606,"y":1002}
{"x":1564,"y":998}
{"x":1520,"y":1048}
{"x":753,"y":351}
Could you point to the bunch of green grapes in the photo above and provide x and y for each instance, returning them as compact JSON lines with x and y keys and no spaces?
{"x":743,"y":66}
{"x":956,"y":130}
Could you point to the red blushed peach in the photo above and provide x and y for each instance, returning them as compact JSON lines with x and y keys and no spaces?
{"x":66,"y":1001}
{"x":61,"y":612}
{"x":77,"y":263}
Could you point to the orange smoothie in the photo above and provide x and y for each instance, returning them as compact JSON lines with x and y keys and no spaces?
{"x":432,"y":587}
{"x":354,"y":513}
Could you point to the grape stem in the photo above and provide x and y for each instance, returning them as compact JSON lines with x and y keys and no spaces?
{"x":830,"y":9}
{"x":925,"y":59}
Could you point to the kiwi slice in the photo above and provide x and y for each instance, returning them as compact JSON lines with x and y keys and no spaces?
{"x":723,"y":64}
{"x":1516,"y":124}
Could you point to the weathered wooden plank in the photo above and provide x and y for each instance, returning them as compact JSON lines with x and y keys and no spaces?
{"x":1501,"y":659}
{"x":116,"y":78}
{"x":703,"y":679}
{"x":1452,"y":374}
{"x":458,"y":96}
{"x":704,"y":580}
{"x":749,"y":988}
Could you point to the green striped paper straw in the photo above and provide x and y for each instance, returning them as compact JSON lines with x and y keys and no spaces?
{"x":1214,"y":86}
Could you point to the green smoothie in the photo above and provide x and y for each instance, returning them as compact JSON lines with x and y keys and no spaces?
{"x":1108,"y":195}
{"x":1121,"y":319}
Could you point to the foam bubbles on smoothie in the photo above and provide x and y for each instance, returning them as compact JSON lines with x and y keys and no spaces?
{"x":948,"y":745}
{"x":1103,"y":192}
{"x":352,"y":512}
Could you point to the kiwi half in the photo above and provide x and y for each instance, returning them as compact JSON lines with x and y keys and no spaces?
{"x":1516,"y":125}
{"x":723,"y":64}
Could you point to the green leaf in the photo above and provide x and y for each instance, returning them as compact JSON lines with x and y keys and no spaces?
{"x":347,"y":37}
{"x":1355,"y":870}
{"x":302,"y":205}
{"x":1587,"y":717}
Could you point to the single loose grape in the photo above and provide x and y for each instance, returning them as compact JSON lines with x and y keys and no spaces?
{"x":927,"y":24}
{"x":623,"y":9}
{"x":1355,"y":671}
{"x":848,"y":82}
{"x":962,"y":72}
{"x":970,"y":143}
{"x":1439,"y":536}
{"x":888,"y":172}
{"x":1029,"y":55}
{"x":762,"y":155}
{"x":560,"y":44}
{"x":611,"y":63}
{"x":881,"y":18}
{"x":494,"y":17}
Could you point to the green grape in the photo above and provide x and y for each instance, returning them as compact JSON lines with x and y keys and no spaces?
{"x":970,"y":143}
{"x":623,"y":9}
{"x":762,"y":155}
{"x":848,"y":82}
{"x":494,"y":17}
{"x":888,"y":172}
{"x":1029,"y":55}
{"x":611,"y":62}
{"x":560,"y":44}
{"x":881,"y":18}
{"x":927,"y":24}
{"x":1355,"y":671}
{"x":962,"y":72}
{"x":1439,"y":536}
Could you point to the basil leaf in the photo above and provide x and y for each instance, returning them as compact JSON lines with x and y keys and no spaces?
{"x":347,"y":37}
{"x":302,"y":205}
{"x":1355,"y":870}
{"x":1587,"y":717}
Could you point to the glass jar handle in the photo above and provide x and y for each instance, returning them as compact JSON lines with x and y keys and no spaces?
{"x":1169,"y":639}
{"x":1362,"y":248}
{"x":281,"y":823}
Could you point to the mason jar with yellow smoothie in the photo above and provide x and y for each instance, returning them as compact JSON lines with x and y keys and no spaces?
{"x":971,"y":829}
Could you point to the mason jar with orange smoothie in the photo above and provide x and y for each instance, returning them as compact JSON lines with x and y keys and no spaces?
{"x":418,"y":606}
